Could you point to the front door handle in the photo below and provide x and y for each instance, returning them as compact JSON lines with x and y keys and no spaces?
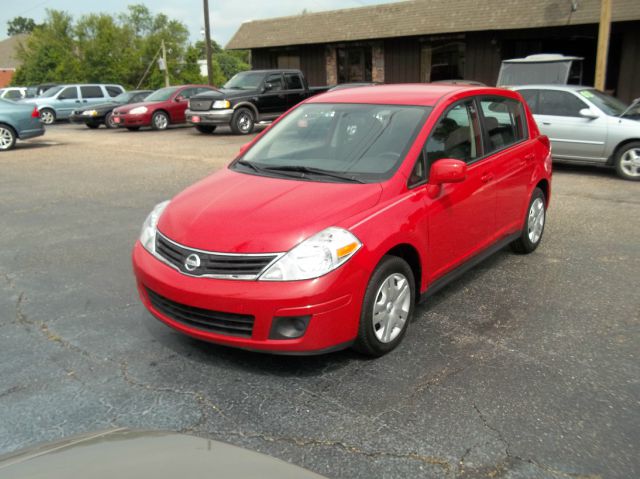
{"x":486,"y":178}
{"x":547,"y":123}
{"x":530,"y":157}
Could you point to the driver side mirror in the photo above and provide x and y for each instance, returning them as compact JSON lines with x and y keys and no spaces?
{"x":267,"y":87}
{"x":588,"y":113}
{"x":180,"y":98}
{"x":445,"y":171}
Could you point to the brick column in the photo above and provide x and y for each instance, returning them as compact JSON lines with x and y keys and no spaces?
{"x":331,"y":63}
{"x":377,"y":62}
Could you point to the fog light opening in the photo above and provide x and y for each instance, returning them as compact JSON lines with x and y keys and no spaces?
{"x":289,"y":327}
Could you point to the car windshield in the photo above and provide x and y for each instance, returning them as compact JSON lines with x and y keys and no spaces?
{"x":245,"y":81}
{"x":51,"y":92}
{"x":124,"y":97}
{"x":608,"y":104}
{"x":162,"y":95}
{"x":336,"y":142}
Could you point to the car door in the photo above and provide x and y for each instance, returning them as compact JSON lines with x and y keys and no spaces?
{"x":462,"y":215}
{"x":179,"y":104}
{"x":573,"y":136}
{"x":67,"y":101}
{"x":92,"y":95}
{"x":273,"y":101}
{"x":295,"y":90}
{"x":512,"y":154}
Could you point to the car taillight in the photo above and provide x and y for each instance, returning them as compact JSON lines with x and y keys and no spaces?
{"x":35,"y":113}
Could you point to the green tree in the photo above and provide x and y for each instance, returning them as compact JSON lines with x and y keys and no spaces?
{"x":20,"y":25}
{"x":226,"y":63}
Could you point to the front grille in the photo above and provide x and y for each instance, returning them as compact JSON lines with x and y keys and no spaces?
{"x":205,"y":319}
{"x":200,"y":105}
{"x":237,"y":266}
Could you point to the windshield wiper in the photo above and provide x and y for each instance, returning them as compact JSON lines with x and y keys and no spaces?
{"x":313,"y":171}
{"x":250,"y":164}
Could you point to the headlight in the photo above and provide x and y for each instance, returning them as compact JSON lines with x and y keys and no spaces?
{"x":90,"y":113}
{"x":315,"y":256}
{"x":221,"y":104}
{"x":139,"y":110}
{"x":149,"y":228}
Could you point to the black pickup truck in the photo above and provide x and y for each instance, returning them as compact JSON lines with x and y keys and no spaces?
{"x":250,"y":97}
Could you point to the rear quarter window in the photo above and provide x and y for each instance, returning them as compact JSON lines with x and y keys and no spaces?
{"x":91,"y":92}
{"x":114,"y":90}
{"x":505,"y":122}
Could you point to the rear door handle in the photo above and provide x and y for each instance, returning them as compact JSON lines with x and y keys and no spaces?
{"x":546,"y":123}
{"x":530,"y":157}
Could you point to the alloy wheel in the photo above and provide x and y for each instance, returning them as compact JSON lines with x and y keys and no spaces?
{"x":391,"y":307}
{"x":630,"y":162}
{"x":535,"y":223}
{"x":160,"y":121}
{"x":6,"y":138}
{"x":245,"y":122}
{"x":47,"y":117}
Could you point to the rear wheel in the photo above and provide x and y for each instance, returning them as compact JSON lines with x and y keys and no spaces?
{"x":628,"y":161}
{"x":7,"y":137}
{"x":108,"y":121}
{"x":242,"y":121}
{"x":387,"y":307}
{"x":534,"y":226}
{"x":206,"y":128}
{"x":159,"y":120}
{"x":47,"y":116}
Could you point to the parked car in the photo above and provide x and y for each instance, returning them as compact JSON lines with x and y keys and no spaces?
{"x":37,"y":90}
{"x":542,"y":68}
{"x":18,"y":121}
{"x":343,"y":86}
{"x":13,"y":93}
{"x":159,"y":110}
{"x":102,"y":114}
{"x":58,"y":102}
{"x":123,"y":453}
{"x":248,"y":98}
{"x":587,"y":126}
{"x":329,"y":226}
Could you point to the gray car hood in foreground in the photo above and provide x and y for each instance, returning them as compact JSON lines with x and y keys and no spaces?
{"x":124,"y":454}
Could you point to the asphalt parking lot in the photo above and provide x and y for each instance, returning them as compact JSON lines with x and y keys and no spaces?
{"x":527,"y":367}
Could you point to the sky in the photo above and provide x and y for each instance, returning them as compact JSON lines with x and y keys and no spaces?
{"x":226,"y":16}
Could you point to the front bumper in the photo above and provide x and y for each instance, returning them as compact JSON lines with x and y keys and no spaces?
{"x":210,"y":117}
{"x":84,"y":119}
{"x":333,"y":302}
{"x":126,"y":119}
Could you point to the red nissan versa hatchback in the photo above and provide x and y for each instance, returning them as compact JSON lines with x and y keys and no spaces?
{"x":332,"y":224}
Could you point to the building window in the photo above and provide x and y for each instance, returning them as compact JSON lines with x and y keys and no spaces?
{"x":442,"y":61}
{"x":354,"y":64}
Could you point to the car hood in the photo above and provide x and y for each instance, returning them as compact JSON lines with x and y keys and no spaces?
{"x":145,"y":454}
{"x":224,"y":94}
{"x":131,"y":106}
{"x":234,"y":212}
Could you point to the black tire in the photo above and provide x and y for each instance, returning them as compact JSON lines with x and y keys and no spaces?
{"x":7,"y":137}
{"x":93,"y":126}
{"x":527,"y":243}
{"x":393,"y":269}
{"x":627,"y":161}
{"x":133,"y":128}
{"x":108,"y":121}
{"x":160,"y":121}
{"x":242,"y":121}
{"x":206,"y":129}
{"x":47,"y":116}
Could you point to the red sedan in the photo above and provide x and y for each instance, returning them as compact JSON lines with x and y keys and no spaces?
{"x":333,"y":223}
{"x":160,"y":109}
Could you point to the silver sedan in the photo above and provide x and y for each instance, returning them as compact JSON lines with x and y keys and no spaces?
{"x":587,"y":126}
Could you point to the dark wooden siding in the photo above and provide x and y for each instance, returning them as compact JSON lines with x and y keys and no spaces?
{"x":482,"y":58}
{"x":629,"y":78}
{"x":313,"y":64}
{"x":402,"y":60}
{"x":262,"y":58}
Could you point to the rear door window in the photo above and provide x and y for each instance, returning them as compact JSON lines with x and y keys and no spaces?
{"x":91,"y":92}
{"x":560,"y":103}
{"x":113,"y":90}
{"x":504,"y":122}
{"x":293,"y":81}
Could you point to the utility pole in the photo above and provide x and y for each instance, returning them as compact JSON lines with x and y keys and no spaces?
{"x":207,"y":39}
{"x":603,"y":44}
{"x":164,"y":62}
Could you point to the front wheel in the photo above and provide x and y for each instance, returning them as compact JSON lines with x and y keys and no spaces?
{"x":387,"y":307}
{"x":242,"y":121}
{"x":159,"y":120}
{"x":628,"y":161}
{"x":47,"y":116}
{"x":7,"y":138}
{"x":534,"y":227}
{"x":207,"y":129}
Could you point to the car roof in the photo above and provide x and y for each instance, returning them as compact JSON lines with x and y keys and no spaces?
{"x":421,"y":94}
{"x":552,"y":87}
